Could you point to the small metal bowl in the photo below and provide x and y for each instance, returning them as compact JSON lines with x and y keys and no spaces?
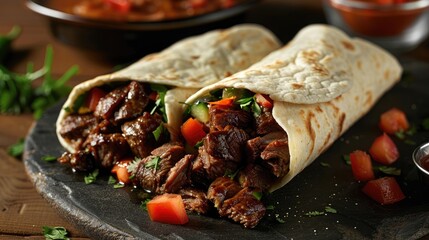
{"x":131,"y":40}
{"x":420,"y":154}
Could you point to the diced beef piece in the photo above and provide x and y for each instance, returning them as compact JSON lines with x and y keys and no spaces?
{"x":256,"y":176}
{"x":276,"y":157}
{"x":195,"y":200}
{"x":256,"y":145}
{"x":178,"y":175}
{"x":198,"y":175}
{"x":79,"y":161}
{"x":76,"y":128}
{"x":107,"y":149}
{"x":153,"y":170}
{"x":265,"y":123}
{"x":139,"y":133}
{"x":221,"y":117}
{"x":222,"y":151}
{"x":221,"y":189}
{"x":110,"y":103}
{"x":134,"y":104}
{"x":106,"y":127}
{"x":243,"y":208}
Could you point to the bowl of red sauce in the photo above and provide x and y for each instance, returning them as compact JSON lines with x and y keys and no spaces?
{"x":127,"y":29}
{"x":397,"y":25}
{"x":421,"y":160}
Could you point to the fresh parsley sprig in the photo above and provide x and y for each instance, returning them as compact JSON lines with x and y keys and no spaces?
{"x":19,"y":95}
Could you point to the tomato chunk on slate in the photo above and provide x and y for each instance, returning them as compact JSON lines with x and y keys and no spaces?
{"x":167,"y":208}
{"x":393,"y":121}
{"x":383,"y":150}
{"x":384,"y":190}
{"x":361,"y":166}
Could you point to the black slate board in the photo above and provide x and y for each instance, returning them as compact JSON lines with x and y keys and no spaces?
{"x":103,"y":212}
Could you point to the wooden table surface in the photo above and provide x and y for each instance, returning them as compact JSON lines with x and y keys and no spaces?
{"x":23,"y":211}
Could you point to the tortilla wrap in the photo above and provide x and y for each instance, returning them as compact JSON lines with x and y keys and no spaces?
{"x":188,"y":65}
{"x":321,"y":83}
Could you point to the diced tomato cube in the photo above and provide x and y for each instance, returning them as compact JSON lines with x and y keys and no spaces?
{"x":167,"y":208}
{"x":384,"y":190}
{"x":121,"y":171}
{"x":198,"y":3}
{"x":193,"y":131}
{"x":119,"y":5}
{"x":264,"y":100}
{"x":383,"y":150}
{"x":94,"y":96}
{"x":393,"y":121}
{"x":361,"y":166}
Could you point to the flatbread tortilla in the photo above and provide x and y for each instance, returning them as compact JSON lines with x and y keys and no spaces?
{"x":321,"y":83}
{"x":188,"y":65}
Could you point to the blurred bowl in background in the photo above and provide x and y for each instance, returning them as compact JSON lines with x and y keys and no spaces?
{"x":421,"y":160}
{"x":397,"y":25}
{"x":127,"y":40}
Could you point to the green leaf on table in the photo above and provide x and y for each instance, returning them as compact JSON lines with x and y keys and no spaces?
{"x":17,"y":149}
{"x":55,"y":233}
{"x":91,"y":177}
{"x":49,"y":158}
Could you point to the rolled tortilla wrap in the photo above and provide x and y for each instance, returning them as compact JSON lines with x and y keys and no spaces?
{"x":321,"y":83}
{"x":188,"y":65}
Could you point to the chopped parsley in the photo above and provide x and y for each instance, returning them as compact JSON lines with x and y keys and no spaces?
{"x":389,"y":170}
{"x":329,"y":209}
{"x":157,"y":133}
{"x":153,"y":163}
{"x":143,"y":203}
{"x":346,"y":159}
{"x":278,"y":219}
{"x":314,"y":213}
{"x":91,"y":177}
{"x":111,"y":180}
{"x":17,"y":149}
{"x":55,"y":233}
{"x":159,"y":103}
{"x":118,"y":185}
{"x":257,"y":195}
{"x":323,"y":164}
{"x":49,"y":158}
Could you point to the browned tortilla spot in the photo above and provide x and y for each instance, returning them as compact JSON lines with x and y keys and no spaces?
{"x":297,"y":86}
{"x":341,"y":123}
{"x":386,"y":74}
{"x":368,"y":100}
{"x":319,"y":109}
{"x":311,"y":131}
{"x":325,"y":143}
{"x":227,"y":74}
{"x":348,"y":45}
{"x":195,"y":57}
{"x":356,"y":99}
{"x":359,"y":65}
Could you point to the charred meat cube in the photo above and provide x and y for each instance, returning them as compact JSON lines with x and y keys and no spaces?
{"x":265,"y":123}
{"x":110,"y":103}
{"x":76,"y":128}
{"x":221,"y":189}
{"x":243,"y":208}
{"x":153,"y":170}
{"x":256,"y":176}
{"x":222,"y":151}
{"x":276,"y":157}
{"x":178,"y":176}
{"x":195,"y":200}
{"x":139,"y":133}
{"x":79,"y":161}
{"x":134,"y":104}
{"x":221,"y":117}
{"x":107,"y":149}
{"x":256,"y":145}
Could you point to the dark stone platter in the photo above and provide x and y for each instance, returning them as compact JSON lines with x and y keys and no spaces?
{"x":103,"y":212}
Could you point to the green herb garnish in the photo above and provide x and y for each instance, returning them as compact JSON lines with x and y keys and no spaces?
{"x":389,"y":170}
{"x":118,"y":185}
{"x":257,"y":195}
{"x":158,"y":131}
{"x":329,"y":209}
{"x":279,"y":219}
{"x":323,"y":164}
{"x":91,"y":177}
{"x":270,"y":207}
{"x":48,"y":158}
{"x":18,"y":94}
{"x":17,"y":149}
{"x":153,"y":163}
{"x":314,"y":213}
{"x":346,"y":159}
{"x":159,"y":103}
{"x":143,"y":203}
{"x":55,"y":233}
{"x":111,"y":180}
